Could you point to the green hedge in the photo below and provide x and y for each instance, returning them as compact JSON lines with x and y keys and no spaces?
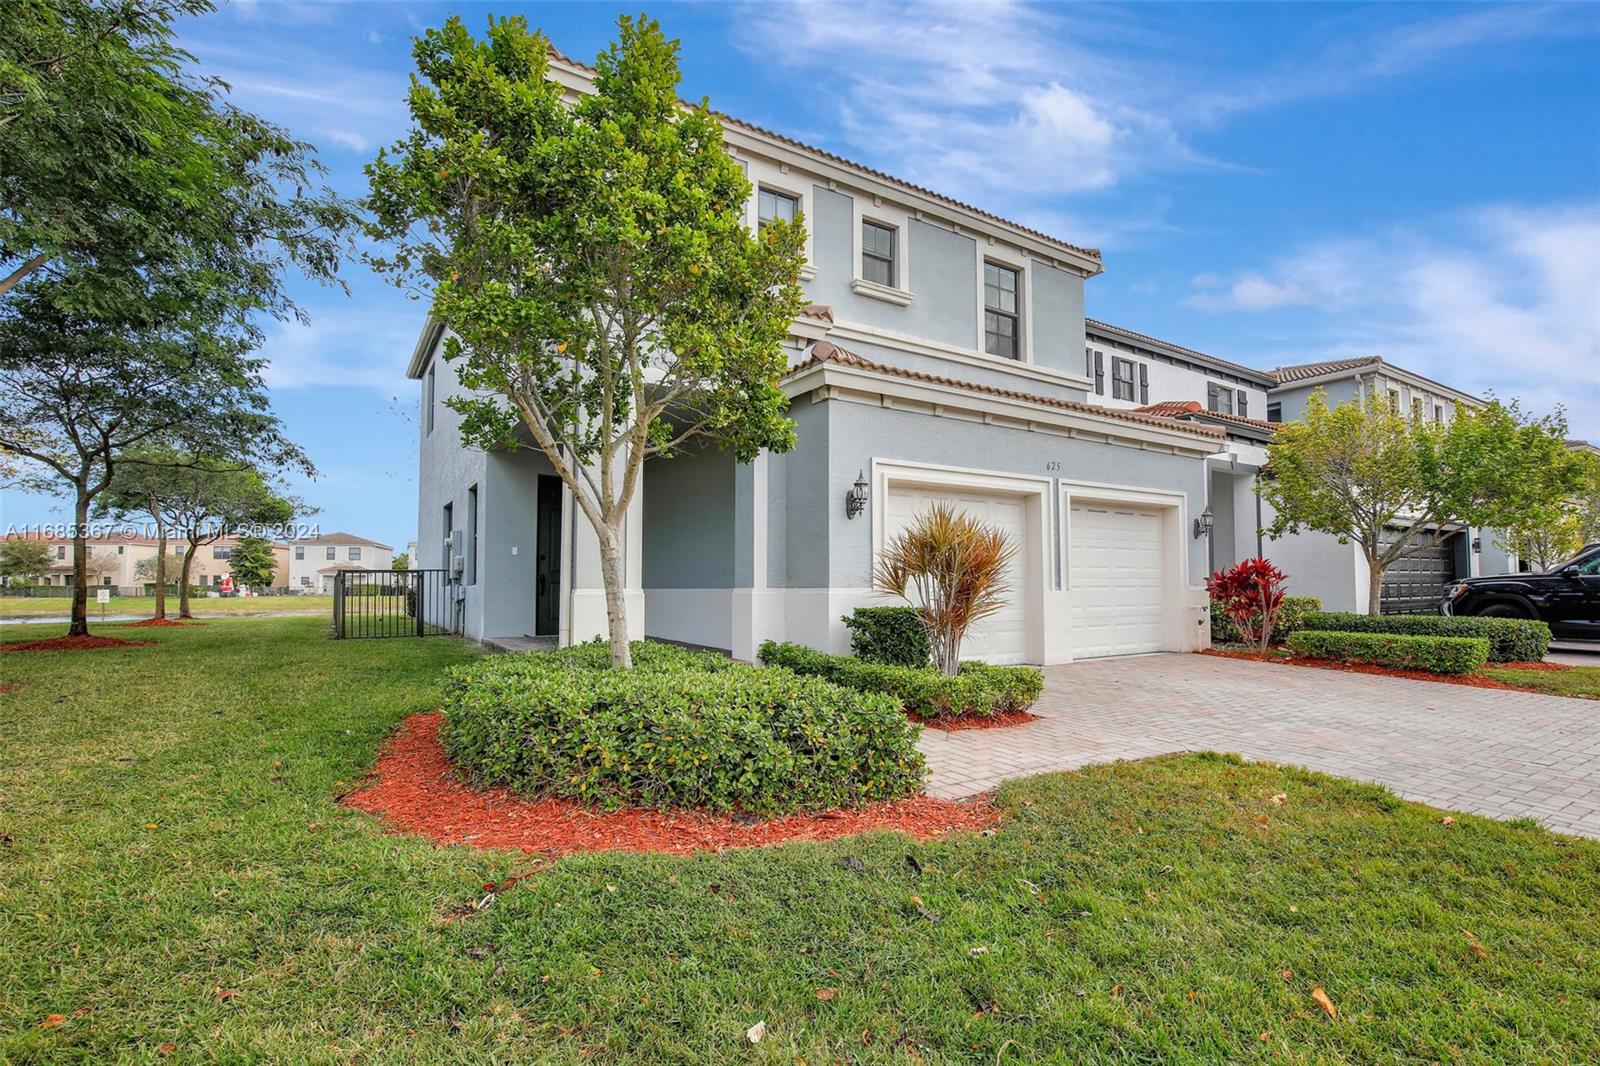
{"x":978,"y":690}
{"x":1438,"y":655}
{"x":681,"y":730}
{"x":893,"y":635}
{"x":1291,"y":616}
{"x":1511,"y":640}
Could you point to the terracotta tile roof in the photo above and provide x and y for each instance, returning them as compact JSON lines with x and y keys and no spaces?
{"x":1300,"y":371}
{"x":1187,"y":408}
{"x":828,"y":352}
{"x":1093,"y":324}
{"x":342,"y":538}
{"x":750,"y":127}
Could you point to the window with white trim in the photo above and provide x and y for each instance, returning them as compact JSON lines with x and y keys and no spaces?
{"x":299,"y":553}
{"x":1219,"y":398}
{"x":355,"y":554}
{"x":1122,"y":385}
{"x":878,"y":263}
{"x":333,"y":553}
{"x":775,"y":206}
{"x":1002,"y":315}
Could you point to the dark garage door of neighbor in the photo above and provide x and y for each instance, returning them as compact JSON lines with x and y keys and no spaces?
{"x":1414,"y":585}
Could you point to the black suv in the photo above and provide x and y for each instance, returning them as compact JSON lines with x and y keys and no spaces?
{"x":1565,"y":596}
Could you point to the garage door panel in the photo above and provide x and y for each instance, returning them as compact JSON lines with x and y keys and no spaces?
{"x":1117,"y":578}
{"x":1002,"y":637}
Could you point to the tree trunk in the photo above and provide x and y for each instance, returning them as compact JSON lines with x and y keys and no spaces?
{"x":616,"y":599}
{"x":1374,"y":588}
{"x":183,"y":580}
{"x":80,"y":567}
{"x":161,"y":563}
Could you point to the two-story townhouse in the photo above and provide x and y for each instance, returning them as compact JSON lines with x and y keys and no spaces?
{"x":113,"y":560}
{"x":313,"y":561}
{"x":941,"y":359}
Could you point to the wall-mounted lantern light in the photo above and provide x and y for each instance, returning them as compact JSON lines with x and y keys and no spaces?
{"x":1477,"y":544}
{"x":1204,"y":524}
{"x":855,"y":501}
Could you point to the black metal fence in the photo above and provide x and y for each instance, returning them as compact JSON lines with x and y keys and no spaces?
{"x":393,"y":603}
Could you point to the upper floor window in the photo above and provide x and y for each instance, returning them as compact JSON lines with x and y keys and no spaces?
{"x":1001,"y":320}
{"x":1394,"y":400}
{"x":355,"y":553}
{"x":878,"y":254}
{"x":300,"y":553}
{"x":1219,"y":398}
{"x":61,"y":551}
{"x":430,"y":385}
{"x":1416,"y":408}
{"x":772,"y":205}
{"x":1438,"y":412}
{"x":1122,"y":386}
{"x":1275,"y":412}
{"x":333,"y":553}
{"x":220,"y":552}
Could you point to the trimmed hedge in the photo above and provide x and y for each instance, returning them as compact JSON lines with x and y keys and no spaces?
{"x":892,"y":635}
{"x":682,"y":729}
{"x":979,"y":690}
{"x":1291,"y":616}
{"x":1511,"y":640}
{"x":1437,"y":655}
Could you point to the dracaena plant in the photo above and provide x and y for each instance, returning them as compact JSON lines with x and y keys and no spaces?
{"x":1251,"y":592}
{"x":953,"y":568}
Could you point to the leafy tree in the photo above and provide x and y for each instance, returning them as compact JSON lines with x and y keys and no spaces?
{"x":117,"y":165}
{"x":956,"y":566}
{"x":1397,"y":485}
{"x":591,"y":262}
{"x":252,"y":562}
{"x":400,"y":562}
{"x":23,"y":560}
{"x":1544,"y":536}
{"x":78,"y":398}
{"x":206,"y":502}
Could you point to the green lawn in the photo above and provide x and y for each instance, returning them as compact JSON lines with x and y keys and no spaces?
{"x":1583,"y":681}
{"x":174,"y":871}
{"x":51,"y":606}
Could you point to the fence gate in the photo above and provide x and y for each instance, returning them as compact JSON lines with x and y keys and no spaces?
{"x":393,"y":603}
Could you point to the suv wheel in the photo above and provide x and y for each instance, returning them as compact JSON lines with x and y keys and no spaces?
{"x":1503,"y":610}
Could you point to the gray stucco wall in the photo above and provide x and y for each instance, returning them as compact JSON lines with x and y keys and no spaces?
{"x":447,"y":468}
{"x":804,"y":512}
{"x":689,"y":521}
{"x":1057,"y":318}
{"x":1293,"y":398}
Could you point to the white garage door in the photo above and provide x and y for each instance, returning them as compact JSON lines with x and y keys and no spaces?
{"x":1002,"y":637}
{"x":1115,"y":565}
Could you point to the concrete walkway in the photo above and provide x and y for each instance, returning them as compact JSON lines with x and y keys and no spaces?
{"x":1487,"y":751}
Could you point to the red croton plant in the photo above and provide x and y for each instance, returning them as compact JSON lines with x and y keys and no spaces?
{"x":1251,"y":593}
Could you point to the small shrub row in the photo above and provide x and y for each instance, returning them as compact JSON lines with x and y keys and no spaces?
{"x":682,"y":729}
{"x":1437,"y":655}
{"x":1291,"y":617}
{"x":979,"y":690}
{"x":892,"y":635}
{"x":1511,"y":640}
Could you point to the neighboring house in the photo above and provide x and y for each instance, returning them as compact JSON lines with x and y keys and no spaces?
{"x":314,"y":561}
{"x":112,"y":560}
{"x":211,"y":562}
{"x":942,"y":359}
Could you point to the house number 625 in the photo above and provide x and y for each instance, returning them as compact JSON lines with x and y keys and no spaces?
{"x":1053,"y":464}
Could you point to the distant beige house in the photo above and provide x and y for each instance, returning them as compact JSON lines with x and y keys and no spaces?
{"x":313,"y":562}
{"x":113,"y":562}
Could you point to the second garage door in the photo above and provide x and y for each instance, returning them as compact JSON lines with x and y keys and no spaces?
{"x":1117,"y":580}
{"x":1002,"y":637}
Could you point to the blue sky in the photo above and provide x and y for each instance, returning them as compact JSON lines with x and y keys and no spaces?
{"x":1270,"y":183}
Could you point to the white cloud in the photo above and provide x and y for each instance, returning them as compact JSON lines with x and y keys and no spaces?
{"x":353,"y":141}
{"x":1501,"y":298}
{"x":364,"y":345}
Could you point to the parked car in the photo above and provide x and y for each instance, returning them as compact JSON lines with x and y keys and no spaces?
{"x":1567,"y":596}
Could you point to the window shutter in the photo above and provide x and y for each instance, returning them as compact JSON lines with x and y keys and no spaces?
{"x":1211,"y":397}
{"x":1088,"y":362}
{"x":1144,"y":383}
{"x":1099,"y":374}
{"x":1244,"y":403}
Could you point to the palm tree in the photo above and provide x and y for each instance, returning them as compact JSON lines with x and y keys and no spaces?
{"x":956,"y":565}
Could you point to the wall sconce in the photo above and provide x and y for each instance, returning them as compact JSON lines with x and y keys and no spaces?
{"x":1204,"y":524}
{"x":1477,"y":545}
{"x":855,"y":501}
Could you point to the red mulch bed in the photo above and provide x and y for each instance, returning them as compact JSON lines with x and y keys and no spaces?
{"x":75,"y":644}
{"x":1470,"y":680}
{"x":972,"y":721}
{"x":1530,"y":666}
{"x":418,"y":790}
{"x":155,"y":622}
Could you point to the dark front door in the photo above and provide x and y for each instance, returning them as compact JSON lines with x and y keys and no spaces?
{"x":547,"y":575}
{"x":1415,"y":584}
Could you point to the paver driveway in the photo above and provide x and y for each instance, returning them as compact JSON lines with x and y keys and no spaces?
{"x":1503,"y":754}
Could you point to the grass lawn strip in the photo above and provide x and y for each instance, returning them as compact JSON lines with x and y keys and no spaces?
{"x":201,"y":606}
{"x":178,"y":883}
{"x":1579,"y":681}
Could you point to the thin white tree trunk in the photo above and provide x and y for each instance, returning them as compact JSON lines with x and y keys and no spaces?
{"x":616,"y":597}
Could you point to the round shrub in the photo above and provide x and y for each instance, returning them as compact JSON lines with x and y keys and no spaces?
{"x":677,"y":731}
{"x":894,"y":636}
